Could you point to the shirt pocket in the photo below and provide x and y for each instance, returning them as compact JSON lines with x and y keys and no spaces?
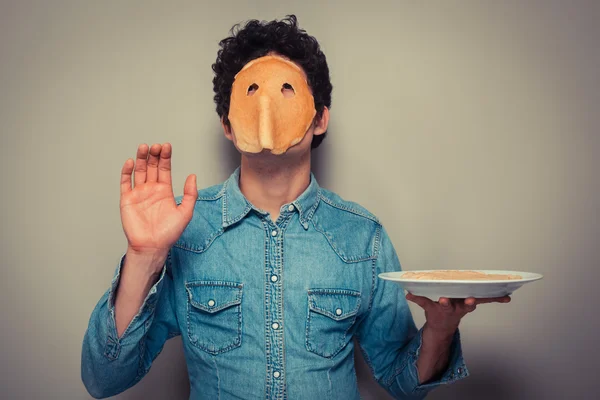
{"x":331,"y":314}
{"x":214,"y":315}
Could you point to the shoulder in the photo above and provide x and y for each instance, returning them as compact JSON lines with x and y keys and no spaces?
{"x":353,"y":231}
{"x":336,"y":204}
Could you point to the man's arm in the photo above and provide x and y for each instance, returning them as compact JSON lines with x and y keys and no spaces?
{"x":442,"y":320}
{"x":434,"y":355}
{"x":407,"y":362}
{"x":136,"y":280}
{"x":126,"y":333}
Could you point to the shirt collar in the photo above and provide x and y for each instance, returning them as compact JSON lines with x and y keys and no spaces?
{"x":236,"y":206}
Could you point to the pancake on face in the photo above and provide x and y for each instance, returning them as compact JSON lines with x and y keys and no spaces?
{"x":272,"y":106}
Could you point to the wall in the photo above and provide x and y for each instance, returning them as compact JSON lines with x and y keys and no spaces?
{"x":470,"y":128}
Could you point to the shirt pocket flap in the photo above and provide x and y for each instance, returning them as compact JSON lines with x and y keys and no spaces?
{"x":212,"y":297}
{"x":337,"y":304}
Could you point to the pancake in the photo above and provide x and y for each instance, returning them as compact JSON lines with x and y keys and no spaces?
{"x":453,"y":275}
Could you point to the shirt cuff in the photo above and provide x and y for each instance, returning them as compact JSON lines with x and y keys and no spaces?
{"x":455,"y":371}
{"x":145,"y":310}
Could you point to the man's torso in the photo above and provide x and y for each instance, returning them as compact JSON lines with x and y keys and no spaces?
{"x":269,"y":309}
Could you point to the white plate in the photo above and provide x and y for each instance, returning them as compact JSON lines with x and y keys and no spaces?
{"x":461,"y":289}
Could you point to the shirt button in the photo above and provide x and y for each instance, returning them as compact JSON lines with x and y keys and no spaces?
{"x":274,"y":233}
{"x":274,"y":278}
{"x":305,"y":225}
{"x":338,"y":311}
{"x":275,"y":325}
{"x":459,"y":371}
{"x":276,"y":374}
{"x":211,"y":303}
{"x":291,"y":207}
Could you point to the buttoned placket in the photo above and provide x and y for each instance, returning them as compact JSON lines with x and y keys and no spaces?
{"x":274,"y":332}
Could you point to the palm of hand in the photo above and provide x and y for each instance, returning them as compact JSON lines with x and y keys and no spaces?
{"x":151,"y":219}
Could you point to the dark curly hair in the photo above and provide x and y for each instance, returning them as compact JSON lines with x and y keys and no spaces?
{"x":255,"y":40}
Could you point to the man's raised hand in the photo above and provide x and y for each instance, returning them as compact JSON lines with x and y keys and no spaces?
{"x":151,"y":219}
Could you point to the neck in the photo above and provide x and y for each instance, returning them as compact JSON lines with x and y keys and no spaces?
{"x":269,"y":181}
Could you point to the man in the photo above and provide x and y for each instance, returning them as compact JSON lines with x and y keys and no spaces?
{"x":267,"y":277}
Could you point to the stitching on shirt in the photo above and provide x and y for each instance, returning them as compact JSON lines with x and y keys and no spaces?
{"x":300,"y":212}
{"x":224,"y":204}
{"x":218,"y":378}
{"x":237,"y":342}
{"x":217,"y":196}
{"x":326,"y":291}
{"x":371,"y":296}
{"x":280,"y":332}
{"x":133,"y":321}
{"x":413,"y":355}
{"x":343,"y":257}
{"x":313,"y":208}
{"x":366,"y":357}
{"x":397,"y":372}
{"x":314,"y":293}
{"x":215,"y":283}
{"x":239,"y":217}
{"x":267,"y":315}
{"x":444,"y":380}
{"x":141,"y":350}
{"x":374,"y":267}
{"x":305,"y":216}
{"x":349,"y":209}
{"x":225,"y":209}
{"x":374,"y":281}
{"x":231,"y":302}
{"x":197,"y":248}
{"x":112,"y":349}
{"x":349,"y":320}
{"x":111,"y":323}
{"x":377,"y":244}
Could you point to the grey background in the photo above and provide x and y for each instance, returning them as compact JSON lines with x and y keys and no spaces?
{"x":470,"y":128}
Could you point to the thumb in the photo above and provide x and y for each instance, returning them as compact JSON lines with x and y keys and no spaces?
{"x":423,"y":302}
{"x":190,"y":194}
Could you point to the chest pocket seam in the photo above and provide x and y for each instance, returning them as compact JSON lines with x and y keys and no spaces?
{"x":331,"y":315}
{"x":214,"y":315}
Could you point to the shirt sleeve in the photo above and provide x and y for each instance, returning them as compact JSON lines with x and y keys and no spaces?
{"x":389,"y":339}
{"x":109,"y":364}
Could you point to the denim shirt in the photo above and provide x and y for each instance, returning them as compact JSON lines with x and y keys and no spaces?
{"x":269,"y":309}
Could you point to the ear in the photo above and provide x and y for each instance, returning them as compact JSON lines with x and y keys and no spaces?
{"x":226,"y":129}
{"x":321,"y":124}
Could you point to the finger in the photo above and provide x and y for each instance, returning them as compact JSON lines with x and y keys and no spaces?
{"x":423,"y":302}
{"x":445,"y":303}
{"x":152,"y":169}
{"x":467,"y":305}
{"x":190,"y":194}
{"x":140,"y":164}
{"x":164,"y":164}
{"x":505,"y":299}
{"x":126,"y":172}
{"x":471,"y":301}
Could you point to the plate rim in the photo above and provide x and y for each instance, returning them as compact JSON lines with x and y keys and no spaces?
{"x":537,"y":276}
